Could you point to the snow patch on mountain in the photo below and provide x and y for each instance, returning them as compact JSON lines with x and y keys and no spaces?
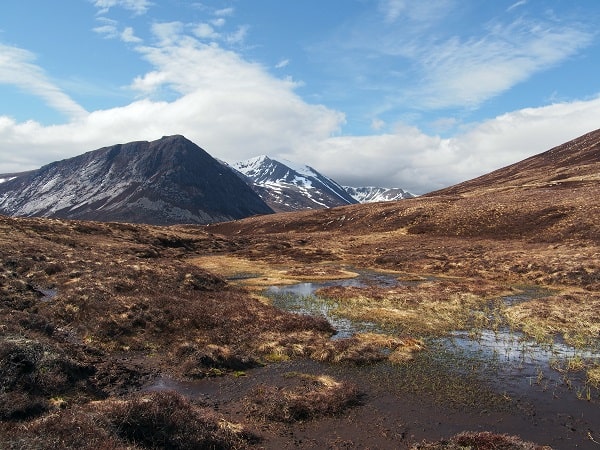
{"x":372,"y":194}
{"x":287,"y":186}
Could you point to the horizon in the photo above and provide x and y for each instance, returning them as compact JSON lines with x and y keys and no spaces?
{"x":413,"y":96}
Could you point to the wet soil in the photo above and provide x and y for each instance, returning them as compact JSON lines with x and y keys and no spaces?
{"x":392,"y":415}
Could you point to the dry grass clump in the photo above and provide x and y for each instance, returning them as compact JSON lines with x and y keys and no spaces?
{"x":31,"y":372}
{"x":168,"y":420}
{"x":575,"y":316}
{"x":313,"y":273}
{"x":593,"y":376}
{"x":362,"y":348}
{"x":142,"y":421}
{"x":74,"y":428}
{"x":366,"y":348}
{"x":434,"y":307}
{"x":315,"y":396}
{"x":480,"y":441}
{"x":210,"y":360}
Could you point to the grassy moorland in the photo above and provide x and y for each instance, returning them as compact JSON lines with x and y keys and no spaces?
{"x":123,"y":336}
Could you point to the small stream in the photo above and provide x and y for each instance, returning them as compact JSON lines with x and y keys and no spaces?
{"x":507,"y":359}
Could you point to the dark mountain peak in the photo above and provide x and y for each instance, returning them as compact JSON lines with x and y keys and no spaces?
{"x":166,"y":181}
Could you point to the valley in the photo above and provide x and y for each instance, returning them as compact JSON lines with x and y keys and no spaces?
{"x":183,"y":336}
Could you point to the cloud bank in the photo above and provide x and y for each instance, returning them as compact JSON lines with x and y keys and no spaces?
{"x":200,"y":87}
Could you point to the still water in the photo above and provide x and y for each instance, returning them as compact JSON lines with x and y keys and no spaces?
{"x":507,"y":358}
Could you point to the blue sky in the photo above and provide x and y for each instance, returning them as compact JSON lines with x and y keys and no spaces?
{"x":412,"y":94}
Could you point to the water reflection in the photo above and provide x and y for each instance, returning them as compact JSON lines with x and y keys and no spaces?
{"x":512,"y":361}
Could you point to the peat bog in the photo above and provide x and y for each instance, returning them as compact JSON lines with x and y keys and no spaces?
{"x":467,"y":318}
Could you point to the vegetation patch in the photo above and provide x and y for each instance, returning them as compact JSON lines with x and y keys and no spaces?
{"x":141,"y":421}
{"x":480,"y":441}
{"x":362,"y":348}
{"x":430,"y":308}
{"x":312,"y":397}
{"x":575,"y":316}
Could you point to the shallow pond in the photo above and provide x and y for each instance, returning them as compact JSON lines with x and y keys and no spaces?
{"x":506,"y":359}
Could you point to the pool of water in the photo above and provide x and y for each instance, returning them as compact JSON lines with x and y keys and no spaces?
{"x":300,"y":298}
{"x":508,"y":359}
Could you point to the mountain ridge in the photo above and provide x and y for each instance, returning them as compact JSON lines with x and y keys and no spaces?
{"x":551,"y":197}
{"x":286,"y":186}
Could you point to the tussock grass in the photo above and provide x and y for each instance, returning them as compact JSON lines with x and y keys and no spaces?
{"x":254,"y":274}
{"x":313,"y":397}
{"x":593,"y":376}
{"x":574,"y":315}
{"x":362,"y":348}
{"x":480,"y":441}
{"x":168,"y":420}
{"x":140,"y":421}
{"x":431,"y":308}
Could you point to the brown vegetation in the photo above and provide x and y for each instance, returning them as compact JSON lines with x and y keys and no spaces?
{"x":91,"y":313}
{"x":480,"y":441}
{"x":311,"y":398}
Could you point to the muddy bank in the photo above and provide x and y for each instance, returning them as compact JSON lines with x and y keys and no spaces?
{"x":394,"y":412}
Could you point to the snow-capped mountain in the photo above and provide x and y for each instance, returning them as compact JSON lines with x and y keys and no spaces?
{"x":286,"y":186}
{"x":371,"y":194}
{"x":167,"y":181}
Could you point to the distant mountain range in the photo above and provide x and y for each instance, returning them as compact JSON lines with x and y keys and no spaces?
{"x":371,"y":194}
{"x":171,"y":181}
{"x":289,"y":187}
{"x":286,"y":186}
{"x":167,"y":181}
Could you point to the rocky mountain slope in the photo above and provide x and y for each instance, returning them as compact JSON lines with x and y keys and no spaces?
{"x":372,"y":194}
{"x":167,"y":181}
{"x":289,"y":187}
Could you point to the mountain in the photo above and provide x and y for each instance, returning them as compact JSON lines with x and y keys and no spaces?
{"x":552,"y":197}
{"x":289,"y":187}
{"x":371,"y":194}
{"x":167,"y":181}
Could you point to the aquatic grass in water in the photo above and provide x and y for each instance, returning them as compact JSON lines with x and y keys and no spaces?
{"x":481,"y":342}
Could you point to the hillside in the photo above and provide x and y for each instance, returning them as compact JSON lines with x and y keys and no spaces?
{"x":550,"y":197}
{"x":167,"y":181}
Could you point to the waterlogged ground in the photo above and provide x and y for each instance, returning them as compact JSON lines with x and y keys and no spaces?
{"x":500,"y":367}
{"x":512,"y":361}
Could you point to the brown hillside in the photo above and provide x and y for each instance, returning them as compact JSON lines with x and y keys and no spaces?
{"x":551,"y":197}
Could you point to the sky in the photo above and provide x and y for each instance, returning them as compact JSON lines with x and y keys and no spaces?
{"x":396,"y":93}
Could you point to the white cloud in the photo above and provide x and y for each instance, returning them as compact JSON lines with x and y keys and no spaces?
{"x":239,"y":36}
{"x":411,"y":56}
{"x":167,"y":32}
{"x":232,"y":108}
{"x":205,"y":31}
{"x":516,"y":5}
{"x":283,"y":63}
{"x":136,"y":6}
{"x":110,"y":30}
{"x":224,"y":12}
{"x":425,"y":11}
{"x":413,"y":160}
{"x":127,"y":35}
{"x":17,"y":68}
{"x":468,"y":72}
